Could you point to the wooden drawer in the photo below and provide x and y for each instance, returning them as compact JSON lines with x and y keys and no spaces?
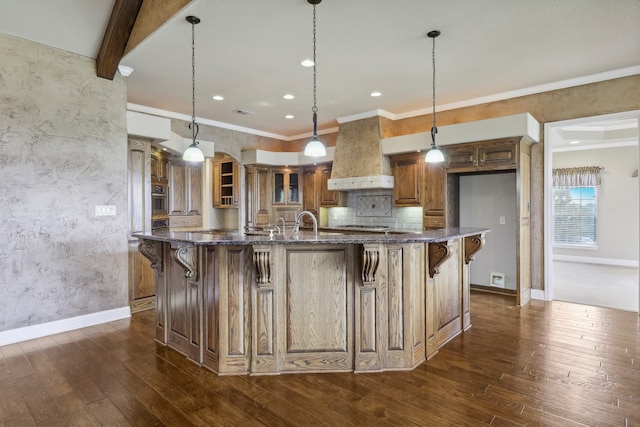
{"x":185,"y":221}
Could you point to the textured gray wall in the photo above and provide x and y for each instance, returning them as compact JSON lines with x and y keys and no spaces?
{"x":63,"y":145}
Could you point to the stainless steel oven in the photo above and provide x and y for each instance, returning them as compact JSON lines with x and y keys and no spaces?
{"x":159,"y":200}
{"x":159,"y":207}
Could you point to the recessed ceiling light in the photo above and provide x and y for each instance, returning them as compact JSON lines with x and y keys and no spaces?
{"x":307,"y":63}
{"x":218,"y":97}
{"x":289,"y":116}
{"x":574,"y":142}
{"x":288,"y":96}
{"x":376,"y":93}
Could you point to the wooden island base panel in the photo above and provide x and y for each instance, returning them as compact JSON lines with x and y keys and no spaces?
{"x":266,"y":305}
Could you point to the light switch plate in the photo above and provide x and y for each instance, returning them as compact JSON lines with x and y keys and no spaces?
{"x":105,"y":210}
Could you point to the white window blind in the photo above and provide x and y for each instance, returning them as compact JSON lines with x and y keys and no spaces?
{"x":575,"y":205}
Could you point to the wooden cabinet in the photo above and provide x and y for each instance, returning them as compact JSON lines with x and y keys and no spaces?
{"x":287,"y":186}
{"x":329,"y":198}
{"x":316,"y":193}
{"x":311,"y":193}
{"x":226,"y":179}
{"x":258,"y":202}
{"x":185,"y":194}
{"x":275,"y":192}
{"x":407,"y":179}
{"x":479,"y":156}
{"x":435,"y":196}
{"x":159,"y":167}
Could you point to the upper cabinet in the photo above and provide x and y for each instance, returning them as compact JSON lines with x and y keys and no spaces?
{"x":159,"y":167}
{"x":486,"y":155}
{"x":185,"y":189}
{"x":316,"y":192}
{"x":226,"y":183}
{"x":287,"y":186}
{"x":408,"y":176}
{"x":329,"y":198}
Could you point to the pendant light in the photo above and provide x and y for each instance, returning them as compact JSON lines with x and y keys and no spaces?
{"x":314,"y":148}
{"x":193,"y":153}
{"x":434,"y":155}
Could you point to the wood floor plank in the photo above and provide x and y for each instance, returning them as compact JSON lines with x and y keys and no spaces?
{"x":153,"y":401}
{"x":547,"y":364}
{"x":128,"y":405}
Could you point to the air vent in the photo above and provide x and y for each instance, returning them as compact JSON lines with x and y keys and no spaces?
{"x":243,"y":112}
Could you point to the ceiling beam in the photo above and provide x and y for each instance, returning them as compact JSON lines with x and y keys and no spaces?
{"x":153,"y":14}
{"x":123,"y":18}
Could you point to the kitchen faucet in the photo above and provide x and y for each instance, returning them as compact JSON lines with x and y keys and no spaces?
{"x":296,"y":228}
{"x":284,"y":225}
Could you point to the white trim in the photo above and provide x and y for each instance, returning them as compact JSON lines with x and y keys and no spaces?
{"x":366,"y":115}
{"x":200,"y":120}
{"x":538,"y":294}
{"x":595,"y":260}
{"x":58,"y":326}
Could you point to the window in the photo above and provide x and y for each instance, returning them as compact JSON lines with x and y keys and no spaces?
{"x":574,"y":216}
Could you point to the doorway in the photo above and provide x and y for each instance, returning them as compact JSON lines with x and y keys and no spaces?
{"x":592,"y":237}
{"x":489,"y":200}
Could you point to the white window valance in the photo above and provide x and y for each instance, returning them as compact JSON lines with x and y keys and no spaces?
{"x":584,"y":176}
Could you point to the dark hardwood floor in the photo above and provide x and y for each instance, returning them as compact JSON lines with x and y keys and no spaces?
{"x":546,"y":364}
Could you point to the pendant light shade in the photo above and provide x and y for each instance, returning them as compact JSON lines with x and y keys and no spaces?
{"x":193,"y":153}
{"x":314,"y":148}
{"x":434,"y":155}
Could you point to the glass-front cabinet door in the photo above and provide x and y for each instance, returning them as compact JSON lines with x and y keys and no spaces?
{"x":294,"y":193}
{"x":278,"y":187}
{"x":286,"y":187}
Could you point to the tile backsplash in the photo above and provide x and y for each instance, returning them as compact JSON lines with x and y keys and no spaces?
{"x":379,"y":206}
{"x":375,"y":208}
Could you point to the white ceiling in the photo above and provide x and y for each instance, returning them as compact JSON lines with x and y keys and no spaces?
{"x":250,"y":51}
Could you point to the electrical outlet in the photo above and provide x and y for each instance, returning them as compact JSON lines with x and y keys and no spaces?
{"x":503,"y":220}
{"x":105,"y":210}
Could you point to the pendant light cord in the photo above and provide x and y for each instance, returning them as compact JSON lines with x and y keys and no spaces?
{"x":433,"y":58}
{"x":434,"y":128}
{"x":194,"y":126}
{"x":315,"y":108}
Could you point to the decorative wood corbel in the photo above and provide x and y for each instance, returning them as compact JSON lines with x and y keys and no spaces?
{"x":262,"y":260}
{"x":438,"y":253}
{"x":472,"y":244}
{"x":152,"y":250}
{"x":370,"y":261}
{"x":186,"y":257}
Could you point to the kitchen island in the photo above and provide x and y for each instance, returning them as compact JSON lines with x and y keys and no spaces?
{"x":289,"y":303}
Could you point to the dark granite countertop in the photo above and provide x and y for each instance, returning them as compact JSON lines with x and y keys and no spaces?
{"x":305,"y":237}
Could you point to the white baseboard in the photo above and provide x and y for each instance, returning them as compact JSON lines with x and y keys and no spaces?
{"x":36,"y":331}
{"x":594,"y":260}
{"x":537,"y":294}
